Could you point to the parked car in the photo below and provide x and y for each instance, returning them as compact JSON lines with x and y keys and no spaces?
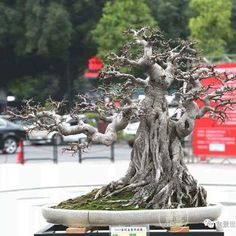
{"x":43,"y":137}
{"x":37,"y":136}
{"x":10,"y":135}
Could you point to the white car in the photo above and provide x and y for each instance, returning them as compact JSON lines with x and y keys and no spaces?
{"x":44,"y":137}
{"x":131,"y":128}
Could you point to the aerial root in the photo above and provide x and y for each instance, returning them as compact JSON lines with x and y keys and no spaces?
{"x":173,"y":194}
{"x":107,"y":189}
{"x":128,"y":187}
{"x":111,"y":187}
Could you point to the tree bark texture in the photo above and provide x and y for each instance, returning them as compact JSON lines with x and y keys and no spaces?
{"x":157,"y":174}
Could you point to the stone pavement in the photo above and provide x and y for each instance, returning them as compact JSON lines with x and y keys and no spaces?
{"x":24,"y":189}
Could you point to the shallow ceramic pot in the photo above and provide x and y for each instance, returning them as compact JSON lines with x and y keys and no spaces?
{"x":159,"y":217}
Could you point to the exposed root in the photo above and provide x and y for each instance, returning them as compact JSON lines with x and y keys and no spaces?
{"x":110,"y":188}
{"x":164,"y":194}
{"x":157,"y":177}
{"x":130,"y":187}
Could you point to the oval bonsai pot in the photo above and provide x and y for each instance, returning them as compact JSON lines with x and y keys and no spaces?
{"x":158,"y":217}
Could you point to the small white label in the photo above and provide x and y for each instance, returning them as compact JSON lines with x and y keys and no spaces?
{"x":219,"y":147}
{"x":128,"y":230}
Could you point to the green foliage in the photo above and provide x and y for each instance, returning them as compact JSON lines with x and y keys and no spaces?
{"x":48,"y":29}
{"x":9,"y":24}
{"x":211,"y":27}
{"x":47,"y":37}
{"x":39,"y":88}
{"x":87,"y":202}
{"x":124,"y":137}
{"x":93,"y":118}
{"x":117,"y":17}
{"x":172,"y":16}
{"x":232,"y":43}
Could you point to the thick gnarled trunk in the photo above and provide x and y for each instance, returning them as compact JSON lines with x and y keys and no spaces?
{"x":160,"y":166}
{"x":157,"y":174}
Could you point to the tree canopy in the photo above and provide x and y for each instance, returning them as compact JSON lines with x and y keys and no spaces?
{"x":48,"y":30}
{"x":232,"y":42}
{"x":172,"y":16}
{"x":50,"y":39}
{"x":211,"y":26}
{"x":117,"y":17}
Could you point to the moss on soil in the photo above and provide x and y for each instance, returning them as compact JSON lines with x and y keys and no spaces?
{"x":87,"y":202}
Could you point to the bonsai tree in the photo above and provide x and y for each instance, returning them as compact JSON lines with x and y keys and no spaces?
{"x":157,"y":176}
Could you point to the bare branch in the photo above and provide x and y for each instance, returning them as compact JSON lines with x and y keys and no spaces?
{"x":123,"y":60}
{"x":112,"y":73}
{"x":138,"y":36}
{"x":141,"y":38}
{"x":51,"y":121}
{"x":221,"y":104}
{"x":182,"y":52}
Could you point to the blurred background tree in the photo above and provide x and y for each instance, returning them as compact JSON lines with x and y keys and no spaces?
{"x":45,"y":44}
{"x":117,"y":17}
{"x":29,"y":87}
{"x":231,"y":47}
{"x":47,"y":30}
{"x":172,"y":16}
{"x":211,"y":26}
{"x":46,"y":37}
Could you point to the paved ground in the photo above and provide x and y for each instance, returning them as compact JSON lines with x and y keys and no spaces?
{"x":25,"y":188}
